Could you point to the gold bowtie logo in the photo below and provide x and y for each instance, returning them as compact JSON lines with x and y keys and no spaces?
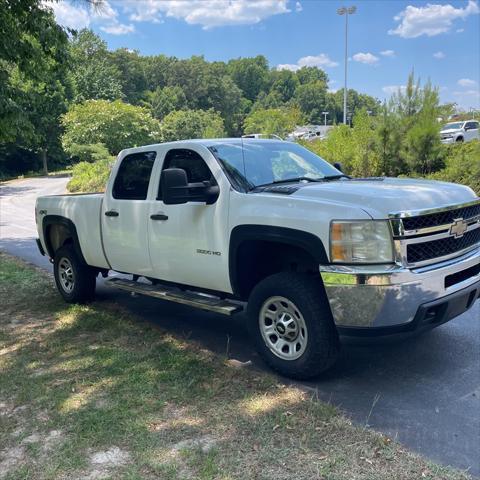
{"x":458,"y":227}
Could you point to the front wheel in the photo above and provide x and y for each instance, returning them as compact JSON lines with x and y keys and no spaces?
{"x":290,"y":322}
{"x":75,"y":281}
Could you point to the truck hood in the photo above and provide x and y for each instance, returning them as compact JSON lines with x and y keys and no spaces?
{"x":451,"y":130}
{"x":379,"y":197}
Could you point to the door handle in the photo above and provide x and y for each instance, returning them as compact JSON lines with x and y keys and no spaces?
{"x":159,"y":216}
{"x":111,"y":213}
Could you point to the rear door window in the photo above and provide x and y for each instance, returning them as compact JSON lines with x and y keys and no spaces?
{"x":133,"y":176}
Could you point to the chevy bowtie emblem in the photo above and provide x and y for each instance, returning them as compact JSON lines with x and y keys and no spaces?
{"x":458,"y":228}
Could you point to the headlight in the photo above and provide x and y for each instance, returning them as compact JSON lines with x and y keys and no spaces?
{"x":365,"y":241}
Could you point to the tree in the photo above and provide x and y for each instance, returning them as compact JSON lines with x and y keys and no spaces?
{"x":273,"y":121}
{"x":132,"y":74}
{"x":187,"y":124}
{"x":284,"y":82}
{"x":311,"y":74}
{"x":165,"y":100}
{"x":94,"y":74}
{"x":250,"y":75}
{"x":116,"y":124}
{"x":311,"y":99}
{"x":30,"y":42}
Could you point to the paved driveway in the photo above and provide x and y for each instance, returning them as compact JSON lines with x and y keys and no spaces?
{"x":423,"y":390}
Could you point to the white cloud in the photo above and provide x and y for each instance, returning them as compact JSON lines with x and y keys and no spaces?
{"x":439,"y":55}
{"x":430,"y":20}
{"x":74,"y":16}
{"x":70,"y":16}
{"x":460,"y":30}
{"x":467,"y":82}
{"x":298,"y":7}
{"x":387,"y":53}
{"x":390,"y":89}
{"x":118,"y":29}
{"x":321,"y":60}
{"x":367,"y":58}
{"x":207,"y":13}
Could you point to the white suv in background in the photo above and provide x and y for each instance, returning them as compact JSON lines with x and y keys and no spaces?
{"x":464,"y":131}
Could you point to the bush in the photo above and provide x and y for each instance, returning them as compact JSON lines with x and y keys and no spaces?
{"x":462,"y":165}
{"x":89,"y":153}
{"x":117,"y":125}
{"x":186,"y":124}
{"x":90,"y":177}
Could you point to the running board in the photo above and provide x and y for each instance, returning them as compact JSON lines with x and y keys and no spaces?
{"x":163,"y":292}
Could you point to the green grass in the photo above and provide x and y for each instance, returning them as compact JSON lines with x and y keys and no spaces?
{"x":92,"y":392}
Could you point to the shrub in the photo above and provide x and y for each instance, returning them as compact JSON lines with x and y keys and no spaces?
{"x":90,"y":177}
{"x":462,"y":165}
{"x":185,"y":124}
{"x":89,"y":153}
{"x":117,"y":125}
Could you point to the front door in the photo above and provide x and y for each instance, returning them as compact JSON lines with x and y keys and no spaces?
{"x":125,"y":215}
{"x":189,"y":242}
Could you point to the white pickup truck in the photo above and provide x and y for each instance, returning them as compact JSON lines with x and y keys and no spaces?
{"x":270,"y":227}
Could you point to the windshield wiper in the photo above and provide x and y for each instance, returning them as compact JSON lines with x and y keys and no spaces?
{"x":335,"y":177}
{"x":290,"y":180}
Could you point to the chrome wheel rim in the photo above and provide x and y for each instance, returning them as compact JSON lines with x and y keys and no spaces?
{"x":283,"y":328}
{"x":66,"y":274}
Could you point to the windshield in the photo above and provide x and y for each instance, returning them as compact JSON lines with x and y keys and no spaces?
{"x":251,"y":164}
{"x":453,"y":126}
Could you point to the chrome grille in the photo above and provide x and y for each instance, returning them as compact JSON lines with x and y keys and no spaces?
{"x":420,"y":252}
{"x":441,"y":218}
{"x":425,"y":237}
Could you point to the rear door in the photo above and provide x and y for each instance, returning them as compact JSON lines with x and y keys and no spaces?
{"x":471,"y":131}
{"x":125,"y":214}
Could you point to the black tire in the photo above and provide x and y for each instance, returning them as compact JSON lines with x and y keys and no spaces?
{"x":81,"y":288}
{"x":459,"y":140}
{"x":321,"y":346}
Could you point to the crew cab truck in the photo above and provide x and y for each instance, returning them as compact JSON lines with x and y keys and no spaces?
{"x":267,"y":226}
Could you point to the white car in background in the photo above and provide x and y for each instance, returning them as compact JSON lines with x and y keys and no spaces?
{"x":464,"y":131}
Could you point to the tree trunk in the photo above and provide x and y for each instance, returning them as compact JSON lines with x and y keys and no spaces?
{"x":43,"y":156}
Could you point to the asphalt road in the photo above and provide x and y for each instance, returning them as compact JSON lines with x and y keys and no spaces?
{"x":423,"y":390}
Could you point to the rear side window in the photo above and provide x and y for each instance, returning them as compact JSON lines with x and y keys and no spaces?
{"x":193,"y":164}
{"x":133,"y":176}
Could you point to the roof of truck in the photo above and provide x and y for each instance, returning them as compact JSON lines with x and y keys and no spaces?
{"x":206,"y":142}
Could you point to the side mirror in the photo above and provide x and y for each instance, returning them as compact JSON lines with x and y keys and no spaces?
{"x":338,"y":166}
{"x":176,"y":189}
{"x":174,"y":186}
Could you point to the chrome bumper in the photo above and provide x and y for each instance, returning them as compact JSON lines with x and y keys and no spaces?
{"x":390,"y":296}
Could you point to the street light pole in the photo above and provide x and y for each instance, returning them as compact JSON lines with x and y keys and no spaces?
{"x":325,"y":117}
{"x":346,"y":11}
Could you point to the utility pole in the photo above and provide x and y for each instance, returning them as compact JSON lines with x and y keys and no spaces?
{"x":346,"y":11}
{"x":325,"y":117}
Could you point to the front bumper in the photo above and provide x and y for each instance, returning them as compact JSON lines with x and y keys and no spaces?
{"x":447,"y":140}
{"x":391,"y":298}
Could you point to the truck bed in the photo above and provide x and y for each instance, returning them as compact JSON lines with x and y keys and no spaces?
{"x":84,"y":211}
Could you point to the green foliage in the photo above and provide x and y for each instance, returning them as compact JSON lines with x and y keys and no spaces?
{"x":186,"y":124}
{"x":311,"y":98}
{"x":116,"y":124}
{"x":250,"y":75}
{"x":90,"y":177}
{"x":462,"y":165}
{"x":90,"y":152}
{"x":165,"y":100}
{"x":273,"y":121}
{"x":94,"y":73}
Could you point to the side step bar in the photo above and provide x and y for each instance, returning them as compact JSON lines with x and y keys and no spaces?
{"x":163,"y":292}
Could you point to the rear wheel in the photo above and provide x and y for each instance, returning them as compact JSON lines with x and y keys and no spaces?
{"x":74,"y":279}
{"x":291,"y":324}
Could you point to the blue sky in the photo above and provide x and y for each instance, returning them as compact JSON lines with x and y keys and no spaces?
{"x":440,"y":40}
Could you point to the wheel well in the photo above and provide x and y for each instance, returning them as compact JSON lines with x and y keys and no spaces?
{"x":57,"y":235}
{"x":258,"y":259}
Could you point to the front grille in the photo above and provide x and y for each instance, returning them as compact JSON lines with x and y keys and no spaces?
{"x":442,"y":218}
{"x":421,"y":252}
